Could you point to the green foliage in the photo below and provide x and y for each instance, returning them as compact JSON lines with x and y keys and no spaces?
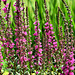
{"x":52,"y":6}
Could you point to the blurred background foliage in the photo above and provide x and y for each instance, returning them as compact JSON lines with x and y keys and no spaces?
{"x":52,"y":6}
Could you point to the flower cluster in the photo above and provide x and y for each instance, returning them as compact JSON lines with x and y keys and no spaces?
{"x":20,"y":33}
{"x":1,"y":57}
{"x":5,"y":9}
{"x":38,"y":46}
{"x":68,"y":55}
{"x":51,"y":45}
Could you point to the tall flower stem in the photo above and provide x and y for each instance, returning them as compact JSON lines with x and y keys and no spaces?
{"x":29,"y":42}
{"x":71,"y":38}
{"x":36,"y":15}
{"x":47,"y":19}
{"x":38,"y":52}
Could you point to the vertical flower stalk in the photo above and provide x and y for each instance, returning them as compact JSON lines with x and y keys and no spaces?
{"x":71,"y":41}
{"x":47,"y":30}
{"x":66,"y":44}
{"x":67,"y":54}
{"x":44,"y":56}
{"x":8,"y":34}
{"x":9,"y":42}
{"x":21,"y":34}
{"x":2,"y":39}
{"x":23,"y":14}
{"x":24,"y":32}
{"x":58,"y":56}
{"x":51,"y":46}
{"x":2,"y":27}
{"x":18,"y":34}
{"x":29,"y":48}
{"x":5,"y":9}
{"x":1,"y":60}
{"x":38,"y":54}
{"x":59,"y":52}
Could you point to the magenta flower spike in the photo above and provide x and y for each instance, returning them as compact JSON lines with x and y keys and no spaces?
{"x":1,"y":60}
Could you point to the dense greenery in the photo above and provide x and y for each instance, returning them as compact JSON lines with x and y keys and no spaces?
{"x":52,"y":6}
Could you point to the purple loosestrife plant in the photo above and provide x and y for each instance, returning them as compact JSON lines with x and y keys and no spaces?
{"x":58,"y":55}
{"x":38,"y":53}
{"x":47,"y":30}
{"x":20,"y":40}
{"x":61,"y":46}
{"x":60,"y":50}
{"x":44,"y":56}
{"x":1,"y":60}
{"x":2,"y":38}
{"x":9,"y":43}
{"x":51,"y":45}
{"x":5,"y":9}
{"x":8,"y":35}
{"x":71,"y":41}
{"x":68,"y":55}
{"x":29,"y":48}
{"x":24,"y":32}
{"x":64,"y":68}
